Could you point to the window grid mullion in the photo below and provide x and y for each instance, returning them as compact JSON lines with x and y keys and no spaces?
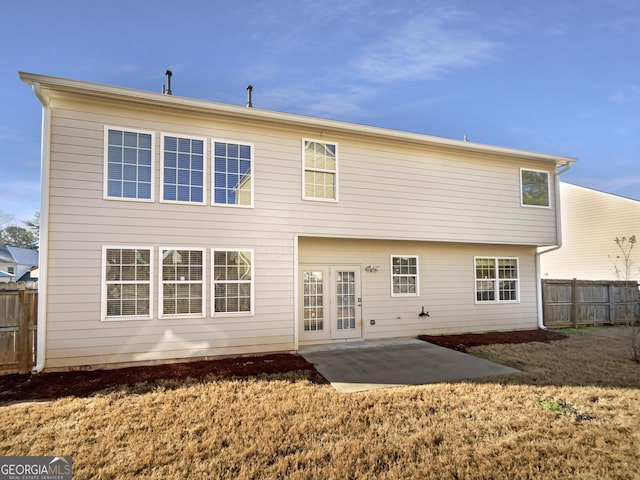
{"x":176,"y":304}
{"x":127,"y":298}
{"x":503,"y":272}
{"x":186,"y":182}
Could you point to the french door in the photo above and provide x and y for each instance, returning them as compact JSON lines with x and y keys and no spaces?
{"x":330,"y":302}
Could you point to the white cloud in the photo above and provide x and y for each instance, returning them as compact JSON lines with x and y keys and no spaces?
{"x":630,"y":93}
{"x":623,"y":185}
{"x":20,"y":198}
{"x":426,"y":47}
{"x":410,"y":44}
{"x":620,"y":183}
{"x":317,"y":101}
{"x":11,"y":134}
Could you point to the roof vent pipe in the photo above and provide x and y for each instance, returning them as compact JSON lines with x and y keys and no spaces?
{"x":249,"y":91}
{"x":166,"y":90}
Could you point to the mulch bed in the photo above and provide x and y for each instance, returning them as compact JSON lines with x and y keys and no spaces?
{"x":87,"y":382}
{"x":84,"y":383}
{"x":464,"y":342}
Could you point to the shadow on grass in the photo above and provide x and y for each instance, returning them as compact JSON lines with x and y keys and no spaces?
{"x":593,"y":357}
{"x":596,"y":357}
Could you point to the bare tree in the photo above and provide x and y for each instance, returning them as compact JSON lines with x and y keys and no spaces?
{"x":33,"y":225}
{"x":5,"y":218}
{"x":17,"y":236}
{"x":623,"y":265}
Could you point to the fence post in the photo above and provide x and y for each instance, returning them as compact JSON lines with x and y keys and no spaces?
{"x":612,"y":304}
{"x":574,"y":303}
{"x":27,"y":306}
{"x":544,"y":302}
{"x":24,"y":354}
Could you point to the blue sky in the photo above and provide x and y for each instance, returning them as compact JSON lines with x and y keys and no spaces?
{"x":554,"y":76}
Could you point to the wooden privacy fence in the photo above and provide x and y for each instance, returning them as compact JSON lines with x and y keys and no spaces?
{"x":18,"y":320}
{"x":576,"y":303}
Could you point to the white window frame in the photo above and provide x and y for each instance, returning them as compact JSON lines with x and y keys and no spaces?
{"x":417,"y":275}
{"x":251,"y":310}
{"x":334,"y":172}
{"x":213,"y":171}
{"x":204,"y":141}
{"x":162,"y":282}
{"x":522,"y":204}
{"x":105,"y":173}
{"x":496,"y":280}
{"x":105,"y":284}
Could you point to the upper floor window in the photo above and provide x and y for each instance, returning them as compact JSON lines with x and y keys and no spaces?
{"x":404,"y":276}
{"x":126,"y":282}
{"x":534,"y":187}
{"x":232,"y":178}
{"x":496,"y":279}
{"x":129,"y":159}
{"x":183,"y":169}
{"x":320,"y":162}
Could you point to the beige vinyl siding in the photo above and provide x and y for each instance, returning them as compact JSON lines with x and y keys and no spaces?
{"x":419,"y":193}
{"x":388,"y":190}
{"x":81,"y":222}
{"x":447,"y":291}
{"x":591,"y":220}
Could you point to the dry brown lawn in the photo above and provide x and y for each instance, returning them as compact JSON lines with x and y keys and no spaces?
{"x":574,"y":413}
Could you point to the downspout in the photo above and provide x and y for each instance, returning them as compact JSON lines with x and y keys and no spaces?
{"x":557,"y":246}
{"x":41,"y":331}
{"x":296,"y":273}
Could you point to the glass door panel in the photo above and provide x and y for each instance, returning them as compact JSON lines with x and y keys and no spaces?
{"x":313,"y":300}
{"x":329,"y":306}
{"x":345,"y":300}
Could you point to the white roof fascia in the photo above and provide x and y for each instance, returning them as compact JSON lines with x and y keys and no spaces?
{"x":57,"y":84}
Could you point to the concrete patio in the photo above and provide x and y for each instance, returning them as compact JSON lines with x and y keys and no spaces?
{"x":362,"y":366}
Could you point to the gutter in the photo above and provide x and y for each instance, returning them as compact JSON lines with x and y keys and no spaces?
{"x":557,"y":246}
{"x":41,"y":331}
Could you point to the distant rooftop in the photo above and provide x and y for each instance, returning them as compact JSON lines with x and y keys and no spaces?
{"x":19,"y":256}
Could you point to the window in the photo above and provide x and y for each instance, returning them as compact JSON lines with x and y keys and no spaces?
{"x":534,"y":188}
{"x":496,"y":279}
{"x":404,"y":276}
{"x":313,"y":309}
{"x":182,"y":274}
{"x":232,"y":179}
{"x":320,"y":170}
{"x":183,"y":169}
{"x":127,"y":282}
{"x":129,"y":169}
{"x":233,"y":281}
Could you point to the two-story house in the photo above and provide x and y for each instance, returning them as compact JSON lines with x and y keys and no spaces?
{"x":17,"y":264}
{"x":175,"y":228}
{"x":591,"y":222}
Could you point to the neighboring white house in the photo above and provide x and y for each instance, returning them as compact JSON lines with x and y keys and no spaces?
{"x":16,"y":264}
{"x":180,"y":228}
{"x":591,"y":221}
